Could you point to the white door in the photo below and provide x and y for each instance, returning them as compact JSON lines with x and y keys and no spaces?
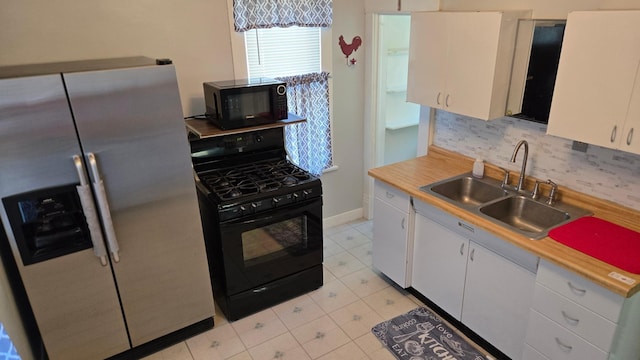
{"x":428,"y":59}
{"x":390,"y":241}
{"x":497,"y":297}
{"x":595,"y":77}
{"x":471,"y":62}
{"x":630,"y":136}
{"x":439,"y":264}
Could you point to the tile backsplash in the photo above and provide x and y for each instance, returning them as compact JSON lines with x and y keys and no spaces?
{"x":608,"y":174}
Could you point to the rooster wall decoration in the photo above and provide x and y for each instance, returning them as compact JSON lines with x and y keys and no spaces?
{"x":348,"y":49}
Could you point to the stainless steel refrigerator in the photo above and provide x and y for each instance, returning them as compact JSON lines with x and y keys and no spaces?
{"x":99,"y":204}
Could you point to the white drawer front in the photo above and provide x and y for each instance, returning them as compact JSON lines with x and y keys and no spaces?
{"x":391,"y":195}
{"x":558,"y":343}
{"x":580,"y":320}
{"x":580,"y":290}
{"x":445,"y":219}
{"x":530,"y":353}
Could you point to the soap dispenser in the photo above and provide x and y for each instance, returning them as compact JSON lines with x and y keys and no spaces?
{"x":478,"y":169}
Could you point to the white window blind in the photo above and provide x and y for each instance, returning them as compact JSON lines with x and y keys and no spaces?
{"x":283,"y":51}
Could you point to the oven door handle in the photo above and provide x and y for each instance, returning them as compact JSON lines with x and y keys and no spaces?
{"x":103,"y":204}
{"x":275,"y":214}
{"x":90,"y":213}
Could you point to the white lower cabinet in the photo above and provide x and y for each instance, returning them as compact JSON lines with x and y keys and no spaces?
{"x":573,"y":318}
{"x":492,"y":287}
{"x":497,"y":298}
{"x":479,"y":279}
{"x":439,"y":264}
{"x":532,"y":354}
{"x":392,"y":240}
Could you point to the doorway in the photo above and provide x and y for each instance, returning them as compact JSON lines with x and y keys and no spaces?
{"x":397,"y":120}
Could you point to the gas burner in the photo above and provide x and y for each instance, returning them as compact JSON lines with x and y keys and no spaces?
{"x":289,"y":180}
{"x":234,"y":193}
{"x":266,"y":186}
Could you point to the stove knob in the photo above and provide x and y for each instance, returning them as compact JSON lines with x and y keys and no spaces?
{"x":259,"y":138}
{"x":305,"y":193}
{"x":276,"y":201}
{"x":295,"y":196}
{"x":254,"y":205}
{"x":242,"y":208}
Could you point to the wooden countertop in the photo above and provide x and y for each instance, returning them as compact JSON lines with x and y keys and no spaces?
{"x":440,"y":164}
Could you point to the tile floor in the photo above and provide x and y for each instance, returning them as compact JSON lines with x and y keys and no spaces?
{"x":331,"y":323}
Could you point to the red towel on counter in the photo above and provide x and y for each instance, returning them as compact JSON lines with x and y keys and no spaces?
{"x":611,"y":243}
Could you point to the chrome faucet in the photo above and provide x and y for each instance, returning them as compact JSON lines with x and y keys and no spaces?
{"x":524,"y":161}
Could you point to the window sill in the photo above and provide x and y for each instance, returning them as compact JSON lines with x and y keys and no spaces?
{"x":330,"y":169}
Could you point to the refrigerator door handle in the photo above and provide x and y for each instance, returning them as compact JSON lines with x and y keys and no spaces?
{"x":90,"y":214}
{"x":103,"y":204}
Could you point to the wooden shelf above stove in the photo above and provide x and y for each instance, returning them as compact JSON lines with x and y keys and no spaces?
{"x":203,"y":128}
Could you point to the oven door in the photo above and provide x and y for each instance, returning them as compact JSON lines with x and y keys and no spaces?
{"x":265,"y":247}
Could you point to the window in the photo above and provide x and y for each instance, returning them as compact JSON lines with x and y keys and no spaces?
{"x":283,"y":51}
{"x":294,"y":55}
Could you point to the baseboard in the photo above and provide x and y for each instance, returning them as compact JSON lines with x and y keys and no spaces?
{"x":343,"y":218}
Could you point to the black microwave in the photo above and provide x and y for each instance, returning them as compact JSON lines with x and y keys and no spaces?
{"x":241,"y":103}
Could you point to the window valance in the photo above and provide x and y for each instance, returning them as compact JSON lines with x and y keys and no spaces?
{"x":264,"y":14}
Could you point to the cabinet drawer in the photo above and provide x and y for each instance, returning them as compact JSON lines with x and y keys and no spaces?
{"x":558,"y":343}
{"x":450,"y":222}
{"x":580,"y":290}
{"x":583,"y":322}
{"x":392,"y":196}
{"x":530,"y":353}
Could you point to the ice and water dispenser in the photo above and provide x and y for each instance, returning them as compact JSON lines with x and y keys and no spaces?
{"x":47,"y":223}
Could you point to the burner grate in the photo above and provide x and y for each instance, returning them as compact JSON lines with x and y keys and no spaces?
{"x":249,"y":179}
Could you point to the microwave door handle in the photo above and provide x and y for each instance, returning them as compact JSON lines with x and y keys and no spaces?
{"x":103,"y":204}
{"x":90,"y":214}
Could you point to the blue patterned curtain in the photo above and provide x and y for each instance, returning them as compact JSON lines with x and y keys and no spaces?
{"x":309,"y":144}
{"x":264,"y":14}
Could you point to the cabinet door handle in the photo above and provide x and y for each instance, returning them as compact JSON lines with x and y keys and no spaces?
{"x":576,"y":290}
{"x":564,"y":347}
{"x":390,"y":195}
{"x":462,"y":249}
{"x":569,"y":319}
{"x":473,"y":251}
{"x":613,"y":133}
{"x":446,"y":101}
{"x":438,"y":98}
{"x":402,"y":223}
{"x":630,"y":136}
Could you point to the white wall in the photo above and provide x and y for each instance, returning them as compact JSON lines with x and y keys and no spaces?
{"x":193,"y":33}
{"x":343,"y":188}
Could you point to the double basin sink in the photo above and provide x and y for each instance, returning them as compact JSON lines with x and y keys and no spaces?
{"x":514,"y":210}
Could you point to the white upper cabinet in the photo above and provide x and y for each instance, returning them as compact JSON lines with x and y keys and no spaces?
{"x":597,"y":92}
{"x":461,"y":61}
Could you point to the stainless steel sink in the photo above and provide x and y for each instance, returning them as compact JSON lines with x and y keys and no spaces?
{"x":466,"y":190}
{"x":512,"y":209}
{"x":526,"y":215}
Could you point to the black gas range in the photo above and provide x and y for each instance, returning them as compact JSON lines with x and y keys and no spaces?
{"x":260,"y":186}
{"x":262,"y":220}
